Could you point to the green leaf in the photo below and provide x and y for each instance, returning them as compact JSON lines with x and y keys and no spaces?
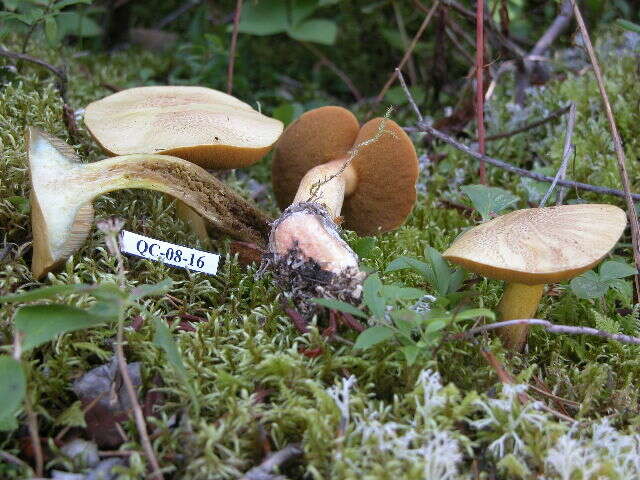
{"x":266,"y":17}
{"x":435,"y":326}
{"x":422,"y":268}
{"x":339,"y":306}
{"x":316,"y":30}
{"x":46,"y":292}
{"x":624,"y":289}
{"x":21,"y":203}
{"x":68,"y":3}
{"x":288,"y":112}
{"x":613,"y":269}
{"x":397,"y":293}
{"x":163,"y":339}
{"x":77,"y":24}
{"x":627,"y":25}
{"x":456,"y":280}
{"x":441,"y":272}
{"x":589,"y":285}
{"x":302,"y":9}
{"x":73,"y":416}
{"x":410,"y":353}
{"x":363,"y":246}
{"x":51,"y":31}
{"x":372,"y":336}
{"x":42,"y":323}
{"x":372,"y":295}
{"x":153,"y":290}
{"x":488,"y":200}
{"x":13,"y":387}
{"x":475,"y":312}
{"x":535,"y":189}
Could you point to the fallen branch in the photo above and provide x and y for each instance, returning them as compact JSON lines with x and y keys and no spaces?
{"x":422,"y":127}
{"x":265,"y":469}
{"x":171,"y":17}
{"x":407,"y":54}
{"x":335,"y":69}
{"x":617,"y":143}
{"x":553,"y":115}
{"x":571,"y":122}
{"x":480,"y":87}
{"x":550,"y":327}
{"x":232,"y":49}
{"x":68,"y":116}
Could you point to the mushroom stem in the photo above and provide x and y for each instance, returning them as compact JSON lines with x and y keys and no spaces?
{"x":63,"y":190}
{"x":328,"y":184}
{"x":518,"y":301}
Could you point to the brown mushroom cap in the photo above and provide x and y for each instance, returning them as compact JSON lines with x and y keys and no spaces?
{"x":540,"y":245}
{"x":205,"y":126}
{"x":387,"y":169}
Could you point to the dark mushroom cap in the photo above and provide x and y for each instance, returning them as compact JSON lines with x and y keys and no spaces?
{"x":387,"y":168}
{"x":540,"y":245}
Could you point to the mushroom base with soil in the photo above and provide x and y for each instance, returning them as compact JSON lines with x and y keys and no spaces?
{"x":310,"y":259}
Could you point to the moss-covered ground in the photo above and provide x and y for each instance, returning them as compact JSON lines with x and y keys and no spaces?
{"x":445,"y":417}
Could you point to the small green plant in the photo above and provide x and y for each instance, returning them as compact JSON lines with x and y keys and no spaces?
{"x":35,"y":325}
{"x":294,"y":17}
{"x":610,"y":275}
{"x":489,"y":201}
{"x":53,"y":16}
{"x":415,"y":329}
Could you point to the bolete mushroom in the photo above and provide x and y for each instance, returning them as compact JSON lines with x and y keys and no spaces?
{"x":62,"y":191}
{"x":201,"y":125}
{"x":326,"y":169}
{"x":531,"y":247}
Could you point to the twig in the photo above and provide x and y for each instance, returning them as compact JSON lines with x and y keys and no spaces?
{"x":265,"y":469}
{"x":423,"y":127}
{"x":9,"y":458}
{"x":68,"y":116}
{"x":529,"y":126}
{"x":450,"y":33}
{"x":232,"y":49}
{"x":171,"y":17}
{"x":566,"y":153}
{"x":411,"y":99}
{"x":480,"y":86}
{"x":550,"y":327}
{"x":32,"y":422}
{"x":617,"y":142}
{"x":407,"y":54}
{"x":559,"y":25}
{"x":411,"y":65}
{"x":335,"y":69}
{"x":135,"y":405}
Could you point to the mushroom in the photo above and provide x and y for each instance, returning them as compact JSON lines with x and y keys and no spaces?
{"x":204,"y":126}
{"x":326,"y":170}
{"x":531,"y":247}
{"x":62,"y":191}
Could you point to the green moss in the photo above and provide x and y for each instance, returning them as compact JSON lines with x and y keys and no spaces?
{"x":248,"y":346}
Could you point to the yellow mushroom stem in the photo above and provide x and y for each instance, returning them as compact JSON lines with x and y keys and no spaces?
{"x":328,"y":184}
{"x":518,"y":302}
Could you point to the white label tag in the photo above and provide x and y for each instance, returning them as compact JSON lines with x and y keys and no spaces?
{"x":168,"y":253}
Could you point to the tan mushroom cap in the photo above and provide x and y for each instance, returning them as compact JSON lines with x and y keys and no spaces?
{"x":540,"y":245}
{"x":387,"y":169}
{"x":205,"y":126}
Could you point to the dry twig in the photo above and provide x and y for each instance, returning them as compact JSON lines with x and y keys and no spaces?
{"x":407,"y":54}
{"x":480,"y":86}
{"x":566,"y":153}
{"x":232,"y":49}
{"x":423,"y":127}
{"x":324,"y":60}
{"x":617,"y":142}
{"x":265,"y":469}
{"x":550,"y":327}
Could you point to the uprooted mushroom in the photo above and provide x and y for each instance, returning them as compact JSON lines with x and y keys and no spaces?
{"x":63,"y":190}
{"x":327,"y":171}
{"x":204,"y":126}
